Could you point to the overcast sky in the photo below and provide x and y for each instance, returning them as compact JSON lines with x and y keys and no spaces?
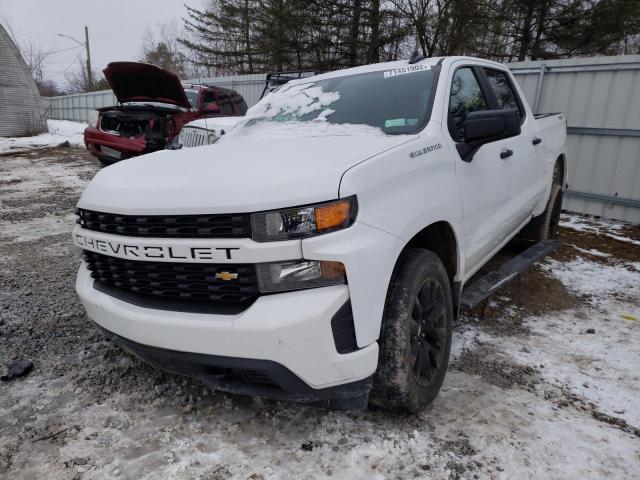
{"x":115,"y":27}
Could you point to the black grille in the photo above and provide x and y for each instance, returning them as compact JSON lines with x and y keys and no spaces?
{"x":168,"y":226}
{"x":182,"y":282}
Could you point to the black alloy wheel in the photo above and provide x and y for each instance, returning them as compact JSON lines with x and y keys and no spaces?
{"x":428,"y":332}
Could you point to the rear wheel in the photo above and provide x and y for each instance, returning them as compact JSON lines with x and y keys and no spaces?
{"x":415,"y":340}
{"x":545,"y":226}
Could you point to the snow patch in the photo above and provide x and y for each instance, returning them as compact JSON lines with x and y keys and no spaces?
{"x":296,"y":110}
{"x":293,"y":102}
{"x":267,"y":130}
{"x":581,"y":223}
{"x":25,"y":231}
{"x":594,"y":279}
{"x":60,"y":131}
{"x":592,"y":251}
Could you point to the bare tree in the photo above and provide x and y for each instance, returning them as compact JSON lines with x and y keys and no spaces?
{"x":80,"y":81}
{"x":160,"y":47}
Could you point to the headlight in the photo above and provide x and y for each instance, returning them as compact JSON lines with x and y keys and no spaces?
{"x":299,"y":274}
{"x":300,"y":222}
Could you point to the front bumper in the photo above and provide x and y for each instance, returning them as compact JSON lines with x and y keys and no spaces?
{"x":289,"y":330}
{"x":246,"y":376}
{"x":95,"y":139}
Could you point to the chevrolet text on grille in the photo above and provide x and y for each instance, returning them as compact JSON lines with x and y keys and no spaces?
{"x":153,"y":252}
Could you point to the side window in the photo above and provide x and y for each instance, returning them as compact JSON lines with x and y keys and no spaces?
{"x":466,"y":97}
{"x":505,"y":94}
{"x":225,"y":104}
{"x":239,"y":105}
{"x":208,"y":100}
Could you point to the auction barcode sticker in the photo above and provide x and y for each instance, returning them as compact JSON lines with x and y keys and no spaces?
{"x":405,"y":70}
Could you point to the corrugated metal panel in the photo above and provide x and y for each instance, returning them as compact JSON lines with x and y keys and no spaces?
{"x":21,"y":112}
{"x":601,"y":100}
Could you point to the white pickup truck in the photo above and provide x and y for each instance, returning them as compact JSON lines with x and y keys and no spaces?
{"x":319,"y":251}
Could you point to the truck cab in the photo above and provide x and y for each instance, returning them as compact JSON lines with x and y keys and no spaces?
{"x":319,"y":250}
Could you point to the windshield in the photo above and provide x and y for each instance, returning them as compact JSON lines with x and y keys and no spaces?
{"x":395,"y":101}
{"x":192,"y":96}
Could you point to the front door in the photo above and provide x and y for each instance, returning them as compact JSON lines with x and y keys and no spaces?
{"x":486,"y":183}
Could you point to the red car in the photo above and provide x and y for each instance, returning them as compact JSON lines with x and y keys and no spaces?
{"x":153,"y":107}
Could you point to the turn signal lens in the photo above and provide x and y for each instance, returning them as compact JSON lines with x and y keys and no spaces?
{"x":304,"y":221}
{"x":332,"y":215}
{"x":332,"y":270}
{"x":298,"y":275}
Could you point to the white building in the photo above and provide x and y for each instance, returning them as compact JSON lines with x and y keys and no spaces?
{"x":21,"y":111}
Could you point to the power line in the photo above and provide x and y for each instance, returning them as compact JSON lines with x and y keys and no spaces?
{"x":68,"y":67}
{"x":64,"y":49}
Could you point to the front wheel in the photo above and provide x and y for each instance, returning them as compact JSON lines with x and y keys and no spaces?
{"x":415,"y":339}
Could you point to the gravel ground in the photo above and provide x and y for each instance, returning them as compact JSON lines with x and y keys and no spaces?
{"x":545,"y":384}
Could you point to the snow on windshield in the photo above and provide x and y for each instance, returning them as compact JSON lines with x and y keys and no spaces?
{"x":374,"y":101}
{"x":297,"y":110}
{"x":295,"y":102}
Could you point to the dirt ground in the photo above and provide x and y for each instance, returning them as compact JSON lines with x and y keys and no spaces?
{"x":543,"y":384}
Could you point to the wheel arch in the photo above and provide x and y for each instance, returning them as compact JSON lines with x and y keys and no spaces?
{"x":562,"y":161}
{"x":440,"y":238}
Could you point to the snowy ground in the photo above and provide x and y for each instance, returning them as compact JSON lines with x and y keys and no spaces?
{"x":546,"y":385}
{"x":60,"y":132}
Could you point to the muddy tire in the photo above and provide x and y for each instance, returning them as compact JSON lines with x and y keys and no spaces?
{"x":415,"y":339}
{"x":545,"y":226}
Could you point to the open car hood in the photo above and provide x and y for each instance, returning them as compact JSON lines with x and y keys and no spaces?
{"x":143,"y":82}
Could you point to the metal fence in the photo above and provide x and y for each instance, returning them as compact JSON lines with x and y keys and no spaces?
{"x":600,"y":97}
{"x":82,"y":107}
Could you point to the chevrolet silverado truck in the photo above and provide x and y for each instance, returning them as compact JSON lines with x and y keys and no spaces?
{"x":153,"y":107}
{"x":319,"y":252}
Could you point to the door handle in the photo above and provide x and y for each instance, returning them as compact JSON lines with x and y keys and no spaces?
{"x":506,"y":153}
{"x":536,"y":140}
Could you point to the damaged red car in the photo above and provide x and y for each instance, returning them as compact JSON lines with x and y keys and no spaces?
{"x":153,"y":105}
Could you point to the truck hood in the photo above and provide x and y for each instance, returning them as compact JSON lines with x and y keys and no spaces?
{"x":237,"y":175}
{"x":142,"y":82}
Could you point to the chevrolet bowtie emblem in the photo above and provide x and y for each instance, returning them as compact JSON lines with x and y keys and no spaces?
{"x":226,"y":276}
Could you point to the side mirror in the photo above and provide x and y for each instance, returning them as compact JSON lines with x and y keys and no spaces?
{"x":211,"y":108}
{"x":485,"y":127}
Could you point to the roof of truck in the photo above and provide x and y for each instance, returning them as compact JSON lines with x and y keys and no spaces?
{"x":397,"y":64}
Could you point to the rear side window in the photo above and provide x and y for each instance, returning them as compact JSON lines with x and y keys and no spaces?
{"x":239,"y":105}
{"x":466,"y":97}
{"x":225,"y":104}
{"x":506,"y":96}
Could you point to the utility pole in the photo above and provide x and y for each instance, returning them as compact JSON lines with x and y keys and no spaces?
{"x":86,"y":44}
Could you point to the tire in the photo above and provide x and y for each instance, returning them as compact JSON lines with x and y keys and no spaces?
{"x":545,"y":226}
{"x":415,"y":339}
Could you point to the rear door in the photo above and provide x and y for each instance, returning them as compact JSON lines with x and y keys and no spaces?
{"x":486,"y":183}
{"x":525,"y":162}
